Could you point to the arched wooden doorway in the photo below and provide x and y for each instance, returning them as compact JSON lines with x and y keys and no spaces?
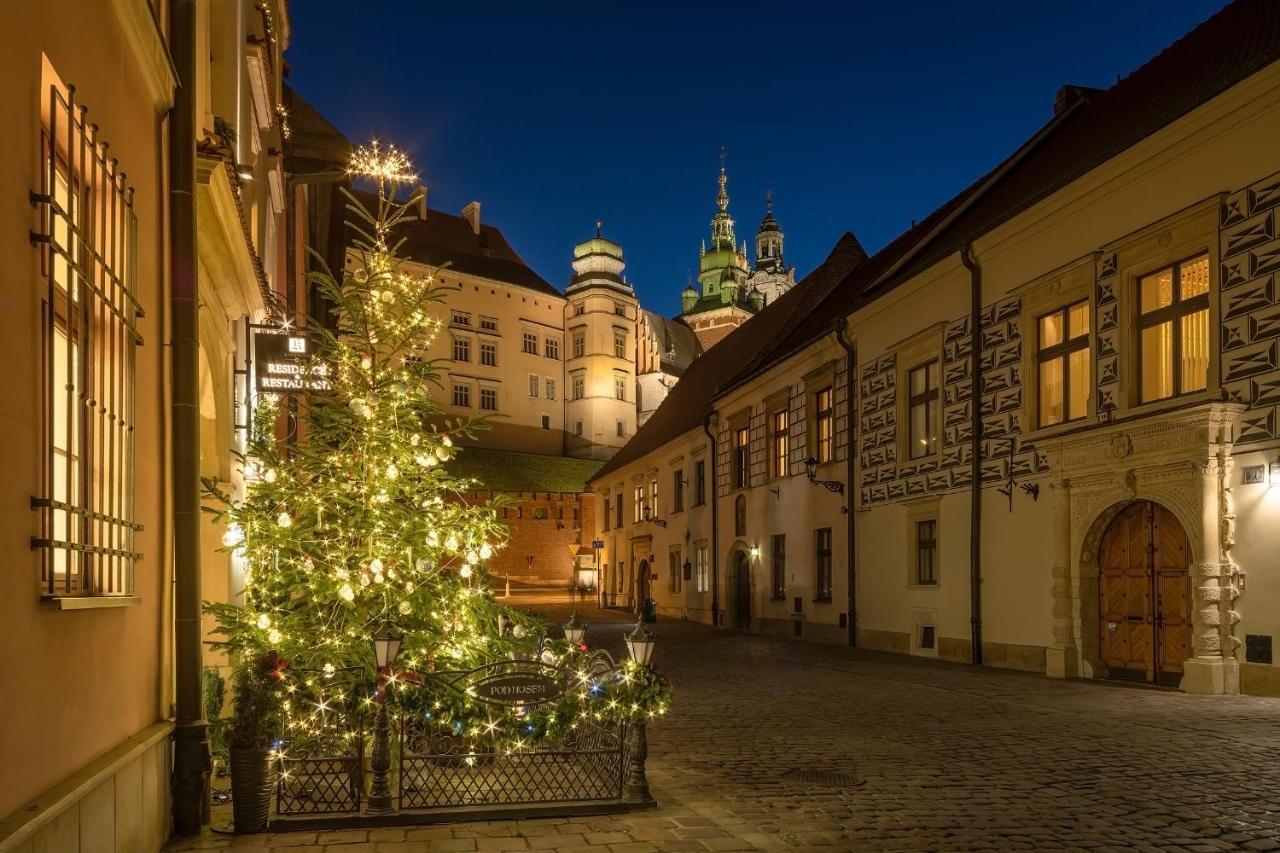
{"x":742,"y":592}
{"x":1144,"y":594}
{"x":642,"y":585}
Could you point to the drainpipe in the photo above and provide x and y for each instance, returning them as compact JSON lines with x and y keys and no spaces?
{"x":191,"y":746}
{"x":715,"y":526}
{"x":975,"y":451}
{"x":851,"y":447}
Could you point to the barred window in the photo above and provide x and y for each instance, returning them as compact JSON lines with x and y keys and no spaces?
{"x":87,"y":239}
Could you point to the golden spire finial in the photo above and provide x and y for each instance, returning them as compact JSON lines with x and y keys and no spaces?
{"x":722,"y":198}
{"x":599,"y":223}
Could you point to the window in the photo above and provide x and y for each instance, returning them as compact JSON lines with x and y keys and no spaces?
{"x":579,"y":344}
{"x":620,"y":386}
{"x":824,"y":419}
{"x":1173,"y":330}
{"x":530,"y":343}
{"x":579,"y":308}
{"x":89,"y":352}
{"x":653,"y":498}
{"x":619,"y":309}
{"x":546,"y":421}
{"x":577,"y":428}
{"x":608,"y":506}
{"x":461,"y":349}
{"x":637,"y":497}
{"x":778,"y":566}
{"x":617,"y":513}
{"x":551,"y":348}
{"x":622,"y":429}
{"x":922,"y":408}
{"x":489,"y":324}
{"x":489,"y":399}
{"x":701,"y":581}
{"x":550,"y":385}
{"x":822,"y":564}
{"x":677,"y":490}
{"x":1064,"y":364}
{"x":534,"y":388}
{"x":619,"y":343}
{"x":578,"y":384}
{"x":778,"y":443}
{"x":673,"y":566}
{"x":741,"y":457}
{"x":488,"y":354}
{"x":461,"y":318}
{"x":462,"y":396}
{"x":699,"y":482}
{"x":927,"y":552}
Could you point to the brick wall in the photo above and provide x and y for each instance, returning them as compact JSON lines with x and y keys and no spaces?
{"x":546,"y":526}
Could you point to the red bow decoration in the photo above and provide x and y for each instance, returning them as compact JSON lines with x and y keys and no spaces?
{"x":274,"y":665}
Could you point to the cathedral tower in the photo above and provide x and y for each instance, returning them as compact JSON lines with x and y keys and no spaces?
{"x":772,"y":277}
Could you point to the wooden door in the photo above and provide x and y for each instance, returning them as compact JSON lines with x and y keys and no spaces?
{"x":1144,"y":593}
{"x":742,"y":593}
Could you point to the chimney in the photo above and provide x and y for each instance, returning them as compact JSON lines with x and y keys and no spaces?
{"x":1068,"y":96}
{"x":471,"y":213}
{"x":421,"y":195}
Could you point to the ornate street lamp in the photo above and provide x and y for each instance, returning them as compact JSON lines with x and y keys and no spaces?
{"x":386,"y":648}
{"x":640,"y":645}
{"x":573,"y":629}
{"x":647,"y":513}
{"x":811,"y":471}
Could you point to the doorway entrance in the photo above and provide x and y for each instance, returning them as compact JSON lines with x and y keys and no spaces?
{"x":742,"y":592}
{"x":1144,"y":593}
{"x":642,"y":585}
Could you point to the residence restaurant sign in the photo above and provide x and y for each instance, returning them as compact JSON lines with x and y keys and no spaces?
{"x":283,"y":364}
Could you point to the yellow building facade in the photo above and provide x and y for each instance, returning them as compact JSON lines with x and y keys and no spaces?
{"x":1104,"y":509}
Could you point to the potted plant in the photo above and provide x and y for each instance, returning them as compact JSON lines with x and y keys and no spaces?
{"x":253,"y":728}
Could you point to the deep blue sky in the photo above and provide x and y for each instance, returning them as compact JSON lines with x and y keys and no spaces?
{"x":859,"y":116}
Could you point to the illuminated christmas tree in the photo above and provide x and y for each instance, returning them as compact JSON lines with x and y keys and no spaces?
{"x":359,"y":524}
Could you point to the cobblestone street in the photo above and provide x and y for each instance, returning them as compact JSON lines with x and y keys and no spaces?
{"x":949,"y":758}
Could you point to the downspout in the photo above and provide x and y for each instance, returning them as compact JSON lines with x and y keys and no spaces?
{"x":975,"y":453}
{"x":715,"y":526}
{"x":851,"y":451}
{"x":191,"y":746}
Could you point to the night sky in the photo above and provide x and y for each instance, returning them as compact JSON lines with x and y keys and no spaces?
{"x":858,"y":116}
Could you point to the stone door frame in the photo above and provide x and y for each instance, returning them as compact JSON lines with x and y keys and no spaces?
{"x":1182,"y":460}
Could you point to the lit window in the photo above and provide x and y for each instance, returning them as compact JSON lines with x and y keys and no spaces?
{"x":927,"y":552}
{"x":1173,"y":330}
{"x":822,"y":564}
{"x":489,"y":399}
{"x":824,"y":425}
{"x":461,"y":349}
{"x":701,"y":575}
{"x":1064,"y":364}
{"x":637,"y":508}
{"x":530,"y":343}
{"x":923,"y":410}
{"x":741,"y":458}
{"x":462,"y":396}
{"x":489,"y":354}
{"x":779,"y":443}
{"x":653,"y":498}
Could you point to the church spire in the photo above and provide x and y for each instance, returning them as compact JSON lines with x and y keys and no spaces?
{"x":722,"y":236}
{"x":722,"y":198}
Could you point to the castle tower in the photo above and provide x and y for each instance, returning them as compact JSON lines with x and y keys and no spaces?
{"x":600,"y":359}
{"x":724,"y":298}
{"x":772,"y":277}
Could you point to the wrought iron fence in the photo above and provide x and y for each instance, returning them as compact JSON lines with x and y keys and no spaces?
{"x":311,"y":786}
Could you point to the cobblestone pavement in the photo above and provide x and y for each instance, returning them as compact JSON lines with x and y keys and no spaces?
{"x":950,"y":758}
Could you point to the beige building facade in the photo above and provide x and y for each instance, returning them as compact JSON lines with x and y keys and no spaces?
{"x":1107,"y":506}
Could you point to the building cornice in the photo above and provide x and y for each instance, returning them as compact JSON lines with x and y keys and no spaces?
{"x":142,"y":32}
{"x":222,"y":244}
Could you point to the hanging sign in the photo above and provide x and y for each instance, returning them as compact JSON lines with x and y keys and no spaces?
{"x":283,"y":364}
{"x":519,"y":687}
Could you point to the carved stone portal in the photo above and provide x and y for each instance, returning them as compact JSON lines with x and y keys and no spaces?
{"x":1181,"y":460}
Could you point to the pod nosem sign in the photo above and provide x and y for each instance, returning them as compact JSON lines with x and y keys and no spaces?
{"x":518,"y":688}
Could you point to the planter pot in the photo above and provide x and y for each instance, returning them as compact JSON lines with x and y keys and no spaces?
{"x":252,"y":778}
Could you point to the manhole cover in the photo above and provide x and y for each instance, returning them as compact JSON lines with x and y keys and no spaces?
{"x":825,"y":778}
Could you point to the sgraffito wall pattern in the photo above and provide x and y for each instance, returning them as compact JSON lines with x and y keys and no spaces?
{"x":1249,"y":308}
{"x":886,"y":478}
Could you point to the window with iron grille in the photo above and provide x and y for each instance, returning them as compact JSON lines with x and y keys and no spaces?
{"x":824,"y":424}
{"x":462,"y":396}
{"x":461,"y":349}
{"x":551,"y":347}
{"x":87,"y":240}
{"x":927,"y":552}
{"x":489,"y":399}
{"x":822,"y":564}
{"x":778,"y":566}
{"x":488,"y":354}
{"x":530,"y":343}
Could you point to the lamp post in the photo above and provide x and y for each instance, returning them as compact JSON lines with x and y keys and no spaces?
{"x":386,"y":648}
{"x":636,"y":786}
